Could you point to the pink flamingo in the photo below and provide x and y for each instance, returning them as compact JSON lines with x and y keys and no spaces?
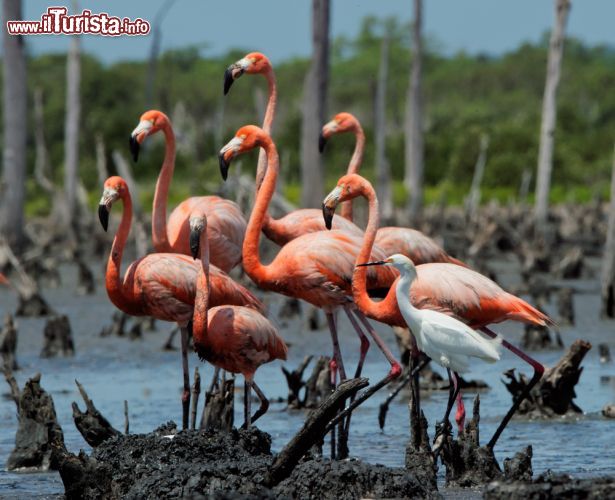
{"x":315,"y":267}
{"x":161,"y":285}
{"x":298,"y":222}
{"x":226,"y":222}
{"x":448,"y":288}
{"x":234,"y":338}
{"x":415,"y":245}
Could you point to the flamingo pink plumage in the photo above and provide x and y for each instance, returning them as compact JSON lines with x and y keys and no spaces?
{"x":234,"y":338}
{"x":415,"y":245}
{"x":449,"y":288}
{"x":226,"y":222}
{"x":301,"y":221}
{"x":315,"y":267}
{"x":161,"y":285}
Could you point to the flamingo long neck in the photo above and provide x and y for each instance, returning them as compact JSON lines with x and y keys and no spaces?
{"x":261,"y":168}
{"x":388,"y":306}
{"x":201,"y":301}
{"x":160,"y":237}
{"x":354,"y":166}
{"x":113,"y":278}
{"x":251,"y":258}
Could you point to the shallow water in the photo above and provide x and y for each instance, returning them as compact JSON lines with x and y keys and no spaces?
{"x":115,"y":369}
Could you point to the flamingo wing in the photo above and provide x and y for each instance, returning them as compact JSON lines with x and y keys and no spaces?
{"x":470,"y":296}
{"x":419,"y":247}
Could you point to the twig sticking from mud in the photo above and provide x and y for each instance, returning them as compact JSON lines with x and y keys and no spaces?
{"x":126,"y":420}
{"x":295,"y":382}
{"x":313,"y":431}
{"x":196,"y":392}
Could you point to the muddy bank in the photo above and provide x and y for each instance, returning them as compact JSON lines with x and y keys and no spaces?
{"x":550,"y":485}
{"x":165,"y":464}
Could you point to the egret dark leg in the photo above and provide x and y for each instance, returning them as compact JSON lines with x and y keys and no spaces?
{"x":453,"y":390}
{"x":264,"y":403}
{"x":539,"y":369}
{"x":186,"y":391}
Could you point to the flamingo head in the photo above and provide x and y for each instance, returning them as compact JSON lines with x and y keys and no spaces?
{"x":150,"y":123}
{"x":342,"y":122}
{"x":115,"y":188}
{"x":198,"y":224}
{"x":246,"y":139}
{"x":348,"y":187}
{"x":252,"y":63}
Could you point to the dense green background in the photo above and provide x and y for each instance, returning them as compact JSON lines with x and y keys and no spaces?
{"x":466,"y":96}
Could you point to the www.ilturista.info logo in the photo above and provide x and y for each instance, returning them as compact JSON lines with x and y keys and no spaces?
{"x":57,"y":21}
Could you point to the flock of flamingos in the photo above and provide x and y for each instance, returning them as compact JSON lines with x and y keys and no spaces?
{"x":324,"y":259}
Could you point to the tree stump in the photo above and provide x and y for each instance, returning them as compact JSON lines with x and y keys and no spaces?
{"x":295,"y":382}
{"x":420,"y":459}
{"x":467,"y":463}
{"x":8,"y":343}
{"x":117,"y":326}
{"x":565,"y":306}
{"x":609,"y":411}
{"x":92,"y":425}
{"x":318,"y":386}
{"x":38,"y":432}
{"x":58,"y":337}
{"x":605,"y":353}
{"x":218,"y":413}
{"x":553,"y":395}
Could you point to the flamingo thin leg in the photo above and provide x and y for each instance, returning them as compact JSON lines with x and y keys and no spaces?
{"x":362,"y":337}
{"x":186,"y":391}
{"x":264,"y":403}
{"x":247,"y":403}
{"x":539,"y":369}
{"x":338,"y":364}
{"x":395,"y":367}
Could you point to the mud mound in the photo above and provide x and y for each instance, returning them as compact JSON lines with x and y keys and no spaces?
{"x":549,"y":485}
{"x":351,"y":479}
{"x":166,"y":464}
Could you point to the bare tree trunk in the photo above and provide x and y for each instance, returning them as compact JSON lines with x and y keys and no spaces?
{"x":314,"y":104}
{"x":71,"y":126}
{"x":473,"y":200}
{"x":383,"y":169}
{"x":15,"y":110}
{"x":524,"y":188}
{"x":101,"y":160}
{"x":42,"y":167}
{"x":414,"y":121}
{"x":549,"y":112}
{"x":150,"y":84}
{"x":608,"y":261}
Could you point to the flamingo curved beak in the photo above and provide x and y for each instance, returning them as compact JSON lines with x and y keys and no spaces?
{"x":233,"y":72}
{"x":227,"y":153}
{"x":195,"y":238}
{"x":322,"y":142}
{"x":329,"y":205}
{"x":140,"y":132}
{"x":103,"y":216}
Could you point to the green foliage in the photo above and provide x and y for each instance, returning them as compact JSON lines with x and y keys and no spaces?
{"x":465,"y":97}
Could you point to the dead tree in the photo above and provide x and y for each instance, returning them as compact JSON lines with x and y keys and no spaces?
{"x":549,"y":113}
{"x":71,"y":125}
{"x":473,"y":199}
{"x":383,"y":169}
{"x":101,"y":160}
{"x":150,"y":84}
{"x":608,"y":261}
{"x":413,"y":122}
{"x":8,"y":343}
{"x":91,"y":424}
{"x":14,"y":117}
{"x":314,"y":104}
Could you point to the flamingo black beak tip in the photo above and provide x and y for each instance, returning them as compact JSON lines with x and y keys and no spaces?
{"x":322,"y":142}
{"x":224,"y":166}
{"x":327,"y":214}
{"x":134,"y":148}
{"x":228,"y":80}
{"x":103,"y":216}
{"x":195,"y":243}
